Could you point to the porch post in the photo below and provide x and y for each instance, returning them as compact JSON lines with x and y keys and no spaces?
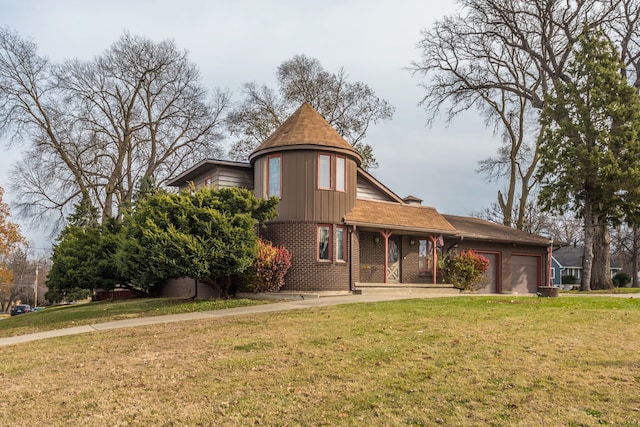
{"x":386,"y":234}
{"x":434,"y":257}
{"x":549,"y":262}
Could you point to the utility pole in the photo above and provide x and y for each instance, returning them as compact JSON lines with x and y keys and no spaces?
{"x":35,"y":288}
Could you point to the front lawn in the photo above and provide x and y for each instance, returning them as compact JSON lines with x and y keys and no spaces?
{"x":472,"y":361}
{"x":66,"y":316}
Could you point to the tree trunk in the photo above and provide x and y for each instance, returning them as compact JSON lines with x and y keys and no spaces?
{"x":601,"y":268}
{"x":634,"y":259}
{"x":587,"y":258}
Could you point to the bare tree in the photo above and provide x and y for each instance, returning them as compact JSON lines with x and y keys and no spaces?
{"x":97,"y":129}
{"x":502,"y":57}
{"x":565,"y":229}
{"x":508,"y":56}
{"x":349,"y":107}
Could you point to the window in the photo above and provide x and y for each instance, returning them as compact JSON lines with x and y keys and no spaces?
{"x":274,"y":176}
{"x":324,"y":172}
{"x":324,"y":243}
{"x":341,"y":243}
{"x":207,"y":182}
{"x":341,"y":174}
{"x":425,"y":252}
{"x":573,"y":272}
{"x":553,"y":273}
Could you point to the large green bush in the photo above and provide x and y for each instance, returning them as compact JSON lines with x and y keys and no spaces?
{"x":621,"y":279}
{"x":569,"y":280}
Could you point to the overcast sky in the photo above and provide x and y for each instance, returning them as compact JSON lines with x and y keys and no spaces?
{"x":237,"y":41}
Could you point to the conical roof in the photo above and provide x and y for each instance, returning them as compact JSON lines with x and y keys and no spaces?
{"x":305,"y":128}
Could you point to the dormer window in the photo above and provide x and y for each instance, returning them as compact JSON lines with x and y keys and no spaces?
{"x":274,"y":176}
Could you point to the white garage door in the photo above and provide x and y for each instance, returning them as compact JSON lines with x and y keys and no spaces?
{"x":525,"y":273}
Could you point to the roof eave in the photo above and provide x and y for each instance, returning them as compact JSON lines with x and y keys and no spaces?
{"x":400,"y":228}
{"x":184,"y":176}
{"x":315,"y":147}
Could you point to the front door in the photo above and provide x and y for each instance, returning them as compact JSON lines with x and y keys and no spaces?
{"x":393,"y":262}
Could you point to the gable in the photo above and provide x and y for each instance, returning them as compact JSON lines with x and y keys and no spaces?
{"x":369,"y":188}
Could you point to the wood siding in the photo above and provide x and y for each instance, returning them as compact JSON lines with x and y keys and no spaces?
{"x":223,"y":177}
{"x":368,"y":191}
{"x":301,"y":199}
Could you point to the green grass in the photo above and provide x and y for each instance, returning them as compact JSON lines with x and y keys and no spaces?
{"x":613,"y":291}
{"x":104,"y":311}
{"x":472,"y":361}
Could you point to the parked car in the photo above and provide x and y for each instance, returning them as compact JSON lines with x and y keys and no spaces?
{"x":20,"y":309}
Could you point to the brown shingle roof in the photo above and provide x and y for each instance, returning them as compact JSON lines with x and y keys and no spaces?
{"x":396,"y":216}
{"x":305,"y":127}
{"x":476,"y":228}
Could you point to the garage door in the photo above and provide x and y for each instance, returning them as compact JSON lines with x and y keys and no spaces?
{"x":491,"y":275}
{"x":525,"y":274}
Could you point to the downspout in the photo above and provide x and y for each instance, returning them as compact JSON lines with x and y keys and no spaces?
{"x":351,"y":230}
{"x":549,"y":263}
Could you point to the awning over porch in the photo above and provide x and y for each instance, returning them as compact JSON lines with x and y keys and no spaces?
{"x":398,"y":217}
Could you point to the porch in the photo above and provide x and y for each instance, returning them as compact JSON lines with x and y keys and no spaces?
{"x":404,"y":288}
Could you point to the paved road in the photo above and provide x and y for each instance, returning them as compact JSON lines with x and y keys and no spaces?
{"x":238,"y":311}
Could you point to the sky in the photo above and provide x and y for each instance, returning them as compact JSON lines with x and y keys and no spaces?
{"x":238,"y":41}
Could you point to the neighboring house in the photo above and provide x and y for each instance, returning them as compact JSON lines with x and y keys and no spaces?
{"x":346,"y":230}
{"x":567,"y":261}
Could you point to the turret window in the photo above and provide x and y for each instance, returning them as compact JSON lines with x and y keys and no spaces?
{"x":332,"y":172}
{"x":341,"y":174}
{"x":274,"y":176}
{"x":324,"y":172}
{"x":341,"y":243}
{"x":324,"y":243}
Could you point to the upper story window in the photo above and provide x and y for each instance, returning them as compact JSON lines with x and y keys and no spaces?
{"x":324,"y":172}
{"x":274,"y":176}
{"x":341,"y":174}
{"x":332,"y":172}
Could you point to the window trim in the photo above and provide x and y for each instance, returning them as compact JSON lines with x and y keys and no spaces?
{"x":329,"y":243}
{"x":268,"y":180}
{"x":331,"y":181}
{"x":344,"y":243}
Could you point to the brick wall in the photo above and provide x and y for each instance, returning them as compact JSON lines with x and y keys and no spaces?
{"x":371,"y":257}
{"x":307,"y":273}
{"x":410,"y":270}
